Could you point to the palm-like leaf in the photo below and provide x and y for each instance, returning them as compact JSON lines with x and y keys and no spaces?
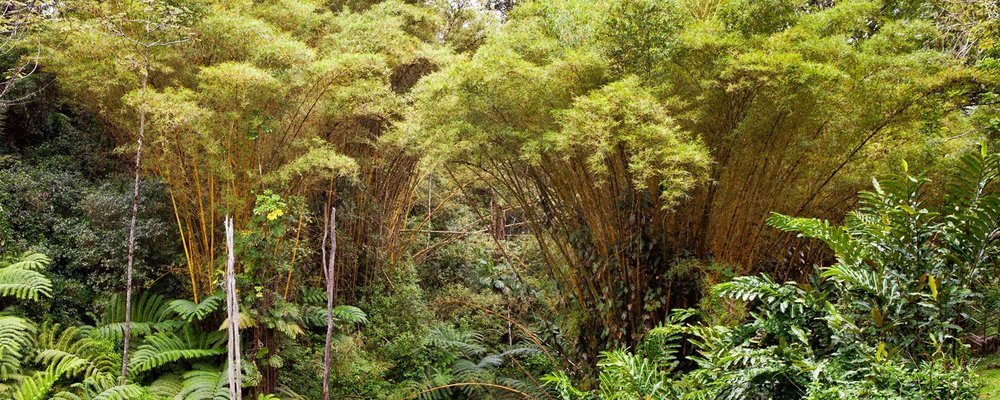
{"x":167,"y":386}
{"x":75,"y":344}
{"x":166,"y":347}
{"x":24,"y":284}
{"x":205,"y":383}
{"x":105,"y":387}
{"x":349,"y":315}
{"x":150,"y":313}
{"x":31,"y":260}
{"x":15,"y":336}
{"x":38,"y":385}
{"x":191,"y":311}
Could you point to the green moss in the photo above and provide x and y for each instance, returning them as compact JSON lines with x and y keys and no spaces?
{"x":989,"y":377}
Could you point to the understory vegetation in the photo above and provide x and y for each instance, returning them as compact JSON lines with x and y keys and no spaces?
{"x":499,"y":199}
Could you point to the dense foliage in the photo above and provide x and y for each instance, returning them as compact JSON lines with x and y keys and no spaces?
{"x":625,"y":199}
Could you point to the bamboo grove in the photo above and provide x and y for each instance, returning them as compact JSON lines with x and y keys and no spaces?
{"x":499,"y":199}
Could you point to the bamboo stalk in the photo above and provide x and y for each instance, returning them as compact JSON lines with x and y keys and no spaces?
{"x":187,"y":253}
{"x":295,"y":251}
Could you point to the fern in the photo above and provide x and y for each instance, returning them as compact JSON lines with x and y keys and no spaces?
{"x":349,"y":315}
{"x":38,"y":385}
{"x":191,"y":311}
{"x":245,"y":321}
{"x":31,"y":261}
{"x":166,"y":347}
{"x":104,"y":387}
{"x":150,"y":313}
{"x":167,"y":385}
{"x":205,"y":383}
{"x":467,"y":343}
{"x":55,"y":345}
{"x":23,"y":281}
{"x":15,"y":336}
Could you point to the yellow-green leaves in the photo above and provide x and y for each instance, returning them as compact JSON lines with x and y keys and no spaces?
{"x":320,"y":162}
{"x":624,"y":120}
{"x":236,"y":86}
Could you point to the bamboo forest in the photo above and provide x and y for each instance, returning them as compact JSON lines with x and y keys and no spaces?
{"x":500,"y":199}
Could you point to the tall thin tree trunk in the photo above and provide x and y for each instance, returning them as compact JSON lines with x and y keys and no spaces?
{"x":135,"y":212}
{"x":329,"y":271}
{"x":233,"y":312}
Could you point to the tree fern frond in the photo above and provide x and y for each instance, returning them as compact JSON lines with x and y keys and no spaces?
{"x":205,"y":383}
{"x":32,"y":261}
{"x":57,"y":345}
{"x":150,"y":313}
{"x":24,"y":284}
{"x":166,"y":347}
{"x":36,"y":386}
{"x":191,"y":311}
{"x":15,"y":336}
{"x":167,"y":385}
{"x":349,"y":314}
{"x":103,"y":387}
{"x":468,"y":343}
{"x":246,"y":321}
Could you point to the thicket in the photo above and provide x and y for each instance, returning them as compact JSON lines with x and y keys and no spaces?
{"x":571,"y":199}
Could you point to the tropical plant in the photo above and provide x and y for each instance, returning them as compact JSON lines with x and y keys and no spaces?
{"x":23,"y":280}
{"x":885,"y":321}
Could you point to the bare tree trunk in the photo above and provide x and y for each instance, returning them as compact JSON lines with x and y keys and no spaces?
{"x":233,"y":311}
{"x":135,"y":212}
{"x":330,"y":225}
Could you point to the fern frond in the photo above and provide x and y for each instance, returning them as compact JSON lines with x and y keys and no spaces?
{"x":349,"y":315}
{"x":15,"y":336}
{"x":166,"y":347}
{"x":32,"y":261}
{"x":150,"y":313}
{"x":38,"y":385}
{"x":167,"y":386}
{"x":191,"y":311}
{"x":205,"y":383}
{"x":24,"y":284}
{"x":56,"y":345}
{"x":468,"y":343}
{"x":104,"y":387}
{"x":246,"y":321}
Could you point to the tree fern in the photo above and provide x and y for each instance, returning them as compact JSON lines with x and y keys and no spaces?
{"x":105,"y":387}
{"x":345,"y":314}
{"x":150,"y":313}
{"x":15,"y":335}
{"x":191,"y":311}
{"x":36,"y":386}
{"x":55,"y":345}
{"x":40,"y":384}
{"x":246,"y":321}
{"x":32,"y":261}
{"x":167,"y":385}
{"x":205,"y":383}
{"x":166,"y":347}
{"x":22,"y":279}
